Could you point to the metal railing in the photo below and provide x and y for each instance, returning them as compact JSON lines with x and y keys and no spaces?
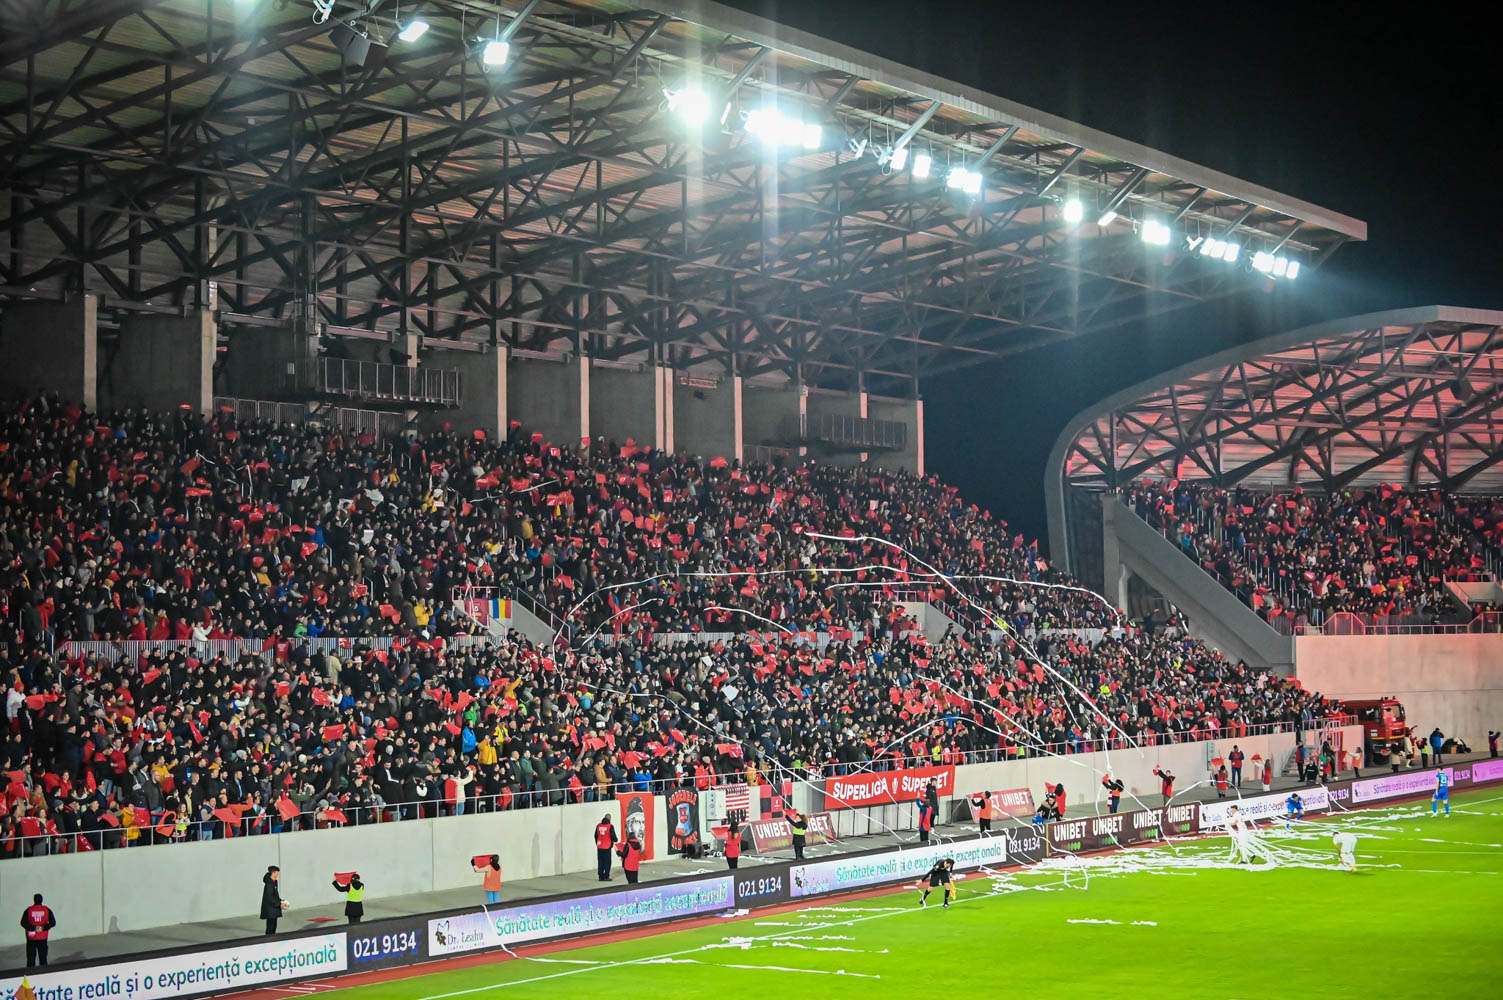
{"x":1346,"y":623}
{"x":371,"y":811}
{"x":376,"y":380}
{"x":357,"y":421}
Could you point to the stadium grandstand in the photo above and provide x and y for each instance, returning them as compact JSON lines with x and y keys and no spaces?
{"x":426,"y":427}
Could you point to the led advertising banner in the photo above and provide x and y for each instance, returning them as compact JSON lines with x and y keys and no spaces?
{"x":193,"y":973}
{"x":1260,"y":807}
{"x":837,"y":875}
{"x":777,"y":835}
{"x":514,"y":925}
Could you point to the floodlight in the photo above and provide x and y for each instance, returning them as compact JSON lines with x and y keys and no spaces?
{"x":1155,"y":233}
{"x":1107,"y":217}
{"x":1280,"y":266}
{"x":812,"y":135}
{"x":1230,"y":251}
{"x":1262,"y":261}
{"x":1073,"y":211}
{"x":898,"y":158}
{"x":1293,"y":271}
{"x":921,"y":164}
{"x":1210,"y":248}
{"x":495,"y":53}
{"x":691,"y":104}
{"x":413,"y":30}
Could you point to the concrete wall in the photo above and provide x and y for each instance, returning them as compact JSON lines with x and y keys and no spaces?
{"x":765,"y":410}
{"x":483,"y":384}
{"x":1451,"y":681}
{"x":708,"y":422}
{"x":906,"y":411}
{"x":163,"y":362}
{"x":852,"y":404}
{"x":122,"y":890}
{"x":552,"y":398}
{"x":52,"y":346}
{"x":256,"y":360}
{"x":625,"y":404}
{"x":931,"y":621}
{"x":1215,"y":613}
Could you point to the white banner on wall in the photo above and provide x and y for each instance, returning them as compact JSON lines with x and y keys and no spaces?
{"x":1256,"y":807}
{"x":1395,"y":785}
{"x":894,"y":866}
{"x":216,"y":971}
{"x":544,"y":919}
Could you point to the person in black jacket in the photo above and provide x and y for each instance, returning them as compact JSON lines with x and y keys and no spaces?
{"x":939,"y":876}
{"x":271,"y":899}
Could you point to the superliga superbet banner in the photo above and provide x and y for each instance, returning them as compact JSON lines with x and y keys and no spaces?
{"x":880,"y":788}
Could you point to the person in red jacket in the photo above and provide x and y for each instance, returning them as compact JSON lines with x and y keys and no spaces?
{"x":605,"y":839}
{"x":630,"y":850}
{"x":733,"y":844}
{"x":38,"y":921}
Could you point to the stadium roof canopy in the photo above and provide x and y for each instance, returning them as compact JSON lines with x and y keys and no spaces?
{"x":1411,"y":396}
{"x":171,"y":153}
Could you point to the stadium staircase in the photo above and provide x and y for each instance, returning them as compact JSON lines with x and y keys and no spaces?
{"x":1215,"y":614}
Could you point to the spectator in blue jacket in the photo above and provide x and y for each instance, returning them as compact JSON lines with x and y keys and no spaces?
{"x":1436,"y":742}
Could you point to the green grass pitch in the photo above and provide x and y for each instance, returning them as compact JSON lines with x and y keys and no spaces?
{"x":1421,"y":917}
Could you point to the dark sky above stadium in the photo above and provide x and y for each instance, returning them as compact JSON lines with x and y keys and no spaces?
{"x":1391,"y":119}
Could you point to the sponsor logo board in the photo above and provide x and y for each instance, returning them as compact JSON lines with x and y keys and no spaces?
{"x":840,"y":874}
{"x":192,"y":973}
{"x":777,"y":834}
{"x":546,"y":919}
{"x":876,"y":788}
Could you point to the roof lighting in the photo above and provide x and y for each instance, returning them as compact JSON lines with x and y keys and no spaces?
{"x":1073,"y":211}
{"x":413,"y":30}
{"x":921,"y":164}
{"x":1155,"y":233}
{"x":691,"y":104}
{"x":495,"y":53}
{"x":1107,"y":217}
{"x":898,"y":158}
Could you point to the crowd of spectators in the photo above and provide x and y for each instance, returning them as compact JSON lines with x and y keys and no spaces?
{"x":169,"y":526}
{"x":1381,"y":553}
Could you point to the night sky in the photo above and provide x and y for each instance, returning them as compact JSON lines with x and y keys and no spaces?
{"x":1377,"y":117}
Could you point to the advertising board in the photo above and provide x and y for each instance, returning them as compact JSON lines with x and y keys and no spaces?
{"x":877,"y":788}
{"x":544,"y":919}
{"x":193,"y":973}
{"x":839,"y":874}
{"x":777,"y":835}
{"x":1140,"y":826}
{"x":1261,"y":807}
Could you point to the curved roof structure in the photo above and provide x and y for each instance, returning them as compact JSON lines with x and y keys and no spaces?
{"x":1411,"y":396}
{"x":248,"y":157}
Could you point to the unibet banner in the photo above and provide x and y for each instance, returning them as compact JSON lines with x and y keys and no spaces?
{"x":777,"y":835}
{"x":194,"y":973}
{"x":894,"y":866}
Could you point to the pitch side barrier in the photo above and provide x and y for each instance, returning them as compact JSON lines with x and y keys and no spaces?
{"x":1146,"y":826}
{"x":227,"y":966}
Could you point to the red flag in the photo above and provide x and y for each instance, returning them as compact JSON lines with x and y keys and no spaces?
{"x":334,"y":734}
{"x":343,"y":878}
{"x":336,"y":816}
{"x":286,"y":808}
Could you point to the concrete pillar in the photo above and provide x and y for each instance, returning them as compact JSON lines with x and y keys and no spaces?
{"x":53,"y":347}
{"x":1114,"y":572}
{"x":626,"y":403}
{"x":738,"y":418}
{"x":164,"y":362}
{"x":410,"y":344}
{"x":665,"y":408}
{"x":708,"y":419}
{"x":551,"y":397}
{"x":482,"y":390}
